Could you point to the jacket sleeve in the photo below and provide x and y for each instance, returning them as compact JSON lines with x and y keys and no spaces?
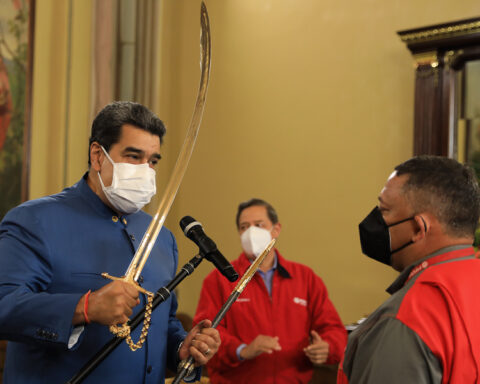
{"x":212,"y":297}
{"x":176,"y":333}
{"x":28,"y":312}
{"x":325,"y":320}
{"x":391,"y":353}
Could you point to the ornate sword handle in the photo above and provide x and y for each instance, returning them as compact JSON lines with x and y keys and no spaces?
{"x":123,"y":330}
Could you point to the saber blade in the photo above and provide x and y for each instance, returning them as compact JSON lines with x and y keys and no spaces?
{"x":148,"y":240}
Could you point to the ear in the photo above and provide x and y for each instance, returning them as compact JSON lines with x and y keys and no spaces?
{"x":96,"y":156}
{"x":276,"y":230}
{"x":422,"y":225}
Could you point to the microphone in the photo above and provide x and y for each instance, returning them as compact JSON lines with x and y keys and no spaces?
{"x":194,"y":231}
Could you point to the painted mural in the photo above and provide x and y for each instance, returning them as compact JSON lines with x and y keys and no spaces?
{"x":14,"y":27}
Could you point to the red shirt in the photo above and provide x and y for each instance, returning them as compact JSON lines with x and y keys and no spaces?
{"x":299,"y":304}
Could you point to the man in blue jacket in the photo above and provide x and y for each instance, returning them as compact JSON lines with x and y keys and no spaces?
{"x":55,"y":307}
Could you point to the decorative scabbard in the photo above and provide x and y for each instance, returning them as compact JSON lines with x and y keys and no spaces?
{"x":187,"y":366}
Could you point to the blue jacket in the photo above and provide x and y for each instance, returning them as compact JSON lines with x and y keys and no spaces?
{"x":52,"y":251}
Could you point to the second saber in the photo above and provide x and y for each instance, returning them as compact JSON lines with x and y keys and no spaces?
{"x":187,"y":366}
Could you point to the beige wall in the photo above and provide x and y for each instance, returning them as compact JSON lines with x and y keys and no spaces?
{"x":309,"y":107}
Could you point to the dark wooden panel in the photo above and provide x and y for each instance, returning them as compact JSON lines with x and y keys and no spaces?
{"x":440,"y":51}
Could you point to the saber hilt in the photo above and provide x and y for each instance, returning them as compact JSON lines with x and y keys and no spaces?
{"x":186,"y":367}
{"x":160,"y":296}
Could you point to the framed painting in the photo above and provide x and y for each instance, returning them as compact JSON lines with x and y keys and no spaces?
{"x":16,"y":64}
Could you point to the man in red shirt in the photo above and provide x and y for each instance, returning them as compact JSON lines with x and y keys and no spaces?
{"x":428,"y":330}
{"x":282,"y":324}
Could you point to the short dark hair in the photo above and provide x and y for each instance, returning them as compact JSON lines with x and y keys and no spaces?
{"x":107,"y":125}
{"x":445,"y":188}
{"x":272,"y":214}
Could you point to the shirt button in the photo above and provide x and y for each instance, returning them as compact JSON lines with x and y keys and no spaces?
{"x":114,"y":219}
{"x":124,"y":221}
{"x":149,"y":369}
{"x":132,"y":236}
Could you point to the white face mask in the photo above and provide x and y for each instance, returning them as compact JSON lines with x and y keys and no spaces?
{"x":255,"y":240}
{"x":133,"y":186}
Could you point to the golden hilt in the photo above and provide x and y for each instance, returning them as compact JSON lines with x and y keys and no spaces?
{"x":123,"y":331}
{"x":128,"y":281}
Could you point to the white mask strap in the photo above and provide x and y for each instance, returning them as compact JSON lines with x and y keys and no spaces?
{"x":111,"y":161}
{"x":106,"y":154}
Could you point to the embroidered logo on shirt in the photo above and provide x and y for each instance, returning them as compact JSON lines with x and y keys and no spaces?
{"x":243,"y":299}
{"x":417,"y":269}
{"x":297,"y":300}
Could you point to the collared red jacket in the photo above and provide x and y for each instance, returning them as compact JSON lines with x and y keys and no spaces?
{"x":427,"y":332}
{"x":52,"y":251}
{"x":299,"y":304}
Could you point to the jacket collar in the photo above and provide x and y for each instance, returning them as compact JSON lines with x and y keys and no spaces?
{"x":282,"y":265}
{"x":92,"y":199}
{"x":405,"y":275}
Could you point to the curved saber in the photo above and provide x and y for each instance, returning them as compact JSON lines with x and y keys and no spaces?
{"x":187,"y":366}
{"x":150,"y":236}
{"x":148,"y":241}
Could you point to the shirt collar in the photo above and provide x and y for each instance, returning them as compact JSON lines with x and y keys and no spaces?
{"x":403,"y":277}
{"x":274,"y":266}
{"x":278,"y":264}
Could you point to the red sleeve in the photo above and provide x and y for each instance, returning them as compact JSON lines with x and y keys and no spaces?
{"x":325,"y":320}
{"x":212,"y":297}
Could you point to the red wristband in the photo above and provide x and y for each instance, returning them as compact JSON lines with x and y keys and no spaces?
{"x":85,"y":307}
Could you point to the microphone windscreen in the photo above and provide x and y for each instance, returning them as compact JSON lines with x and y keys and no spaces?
{"x":186,"y":221}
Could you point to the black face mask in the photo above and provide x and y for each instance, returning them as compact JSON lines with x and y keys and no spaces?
{"x":375,"y":237}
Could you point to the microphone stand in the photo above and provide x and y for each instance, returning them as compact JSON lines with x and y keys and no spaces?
{"x":160,"y":296}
